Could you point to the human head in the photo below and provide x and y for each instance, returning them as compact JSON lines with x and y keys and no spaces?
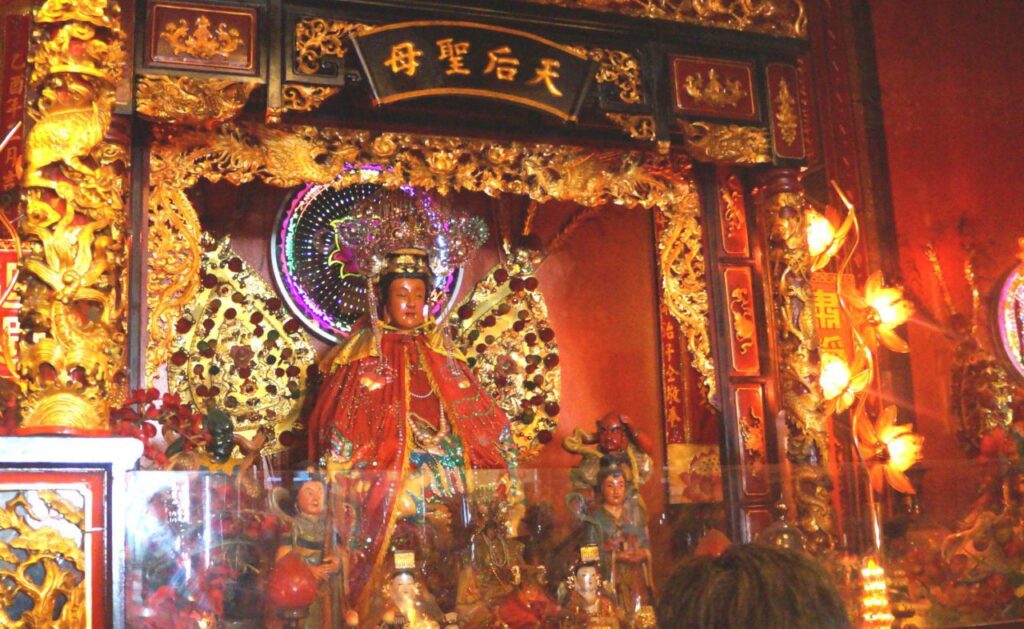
{"x":310,"y":499}
{"x":612,"y":484}
{"x":588,"y":582}
{"x":752,"y":585}
{"x":611,"y":433}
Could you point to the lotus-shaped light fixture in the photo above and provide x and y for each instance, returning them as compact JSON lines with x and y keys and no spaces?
{"x":840,"y":383}
{"x":823,"y":239}
{"x":889,"y":449}
{"x":878,"y":311}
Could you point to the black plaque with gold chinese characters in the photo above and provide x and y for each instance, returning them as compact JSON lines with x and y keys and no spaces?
{"x":418,"y":59}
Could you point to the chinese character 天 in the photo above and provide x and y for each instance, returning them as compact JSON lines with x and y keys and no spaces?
{"x":546,"y":74}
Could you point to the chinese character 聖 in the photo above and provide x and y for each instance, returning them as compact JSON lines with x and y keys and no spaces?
{"x":546,"y":74}
{"x":453,"y":52}
{"x":502,"y":64}
{"x":403,"y":59}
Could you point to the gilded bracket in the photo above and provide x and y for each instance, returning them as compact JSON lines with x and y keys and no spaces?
{"x":708,"y":142}
{"x":191,"y":101}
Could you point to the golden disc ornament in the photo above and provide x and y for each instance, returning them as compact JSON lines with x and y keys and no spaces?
{"x":239,"y":350}
{"x":503,"y":329}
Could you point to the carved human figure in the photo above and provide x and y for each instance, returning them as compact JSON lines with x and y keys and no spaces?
{"x":617,"y":525}
{"x":587,"y":607}
{"x":400,"y":408}
{"x":404,"y":602}
{"x":616,"y":440}
{"x":309,"y":539}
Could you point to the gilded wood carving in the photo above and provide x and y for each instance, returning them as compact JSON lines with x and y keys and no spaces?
{"x":292,"y":155}
{"x":72,"y":352}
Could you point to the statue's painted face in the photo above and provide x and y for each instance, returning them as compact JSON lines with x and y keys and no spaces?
{"x":404,"y":590}
{"x":611,"y":434}
{"x":613,"y":490}
{"x":588,"y":581}
{"x":407,"y":303}
{"x":311,"y":498}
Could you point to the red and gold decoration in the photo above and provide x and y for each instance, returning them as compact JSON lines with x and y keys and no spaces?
{"x":49,"y":562}
{"x":72,"y":351}
{"x":187,"y":36}
{"x":784,"y":105}
{"x":504,"y":329}
{"x":714,"y":87}
{"x":237,"y":350}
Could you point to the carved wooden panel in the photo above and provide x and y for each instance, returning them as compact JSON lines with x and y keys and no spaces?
{"x":714,"y":87}
{"x":733,"y":211}
{"x":750,"y":413}
{"x":784,"y":105}
{"x":184,"y":36}
{"x":739,"y":291}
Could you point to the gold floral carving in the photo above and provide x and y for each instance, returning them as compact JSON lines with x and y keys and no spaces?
{"x":733,"y":215}
{"x":197,"y":40}
{"x":237,"y":353}
{"x":742,"y":319}
{"x":300,"y":98}
{"x":72,"y":352}
{"x":785,"y":113}
{"x":292,"y":155}
{"x":710,"y":142}
{"x":778,"y":17}
{"x":638,"y":127}
{"x":622,"y":70}
{"x":714,"y":92}
{"x":752,"y":437}
{"x":316,"y":38}
{"x":681,"y":262}
{"x":781,"y":204}
{"x":191,"y":101}
{"x":41,"y":559}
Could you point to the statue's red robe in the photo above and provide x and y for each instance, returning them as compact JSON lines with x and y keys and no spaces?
{"x":360,"y":419}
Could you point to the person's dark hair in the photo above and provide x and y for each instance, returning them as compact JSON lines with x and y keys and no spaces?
{"x":751,"y":585}
{"x":609,"y":467}
{"x":385,"y":284}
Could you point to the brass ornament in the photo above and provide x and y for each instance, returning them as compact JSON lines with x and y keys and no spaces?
{"x":777,"y":17}
{"x":199,"y":41}
{"x":236,"y":352}
{"x":41,"y":559}
{"x":191,"y":101}
{"x":714,"y":92}
{"x":638,"y":127}
{"x":709,"y":142}
{"x":72,"y":354}
{"x":316,"y":38}
{"x":785,"y":113}
{"x":292,"y":155}
{"x":781,"y":204}
{"x":682,"y":267}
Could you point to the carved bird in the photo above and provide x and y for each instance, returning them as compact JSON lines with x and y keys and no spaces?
{"x":67,"y":133}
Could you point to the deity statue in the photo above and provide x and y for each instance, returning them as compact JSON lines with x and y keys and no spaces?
{"x":404,"y":602}
{"x":586,"y":605}
{"x":618,"y":441}
{"x":528,"y":606}
{"x":309,"y":540}
{"x":617,"y":526}
{"x":399,"y":407}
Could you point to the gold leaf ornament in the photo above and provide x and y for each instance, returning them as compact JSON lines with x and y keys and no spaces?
{"x":238,"y":350}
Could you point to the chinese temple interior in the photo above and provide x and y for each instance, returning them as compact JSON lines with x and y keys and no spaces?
{"x":510,"y":314}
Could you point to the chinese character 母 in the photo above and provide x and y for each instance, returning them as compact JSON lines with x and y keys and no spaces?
{"x":403,"y":59}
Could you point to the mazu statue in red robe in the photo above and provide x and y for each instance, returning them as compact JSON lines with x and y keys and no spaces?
{"x":402,"y":418}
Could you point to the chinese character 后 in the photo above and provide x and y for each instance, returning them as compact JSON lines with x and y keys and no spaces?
{"x":546,"y":74}
{"x":826,"y":310}
{"x":453,"y":52}
{"x":403,"y":59}
{"x":502,"y":64}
